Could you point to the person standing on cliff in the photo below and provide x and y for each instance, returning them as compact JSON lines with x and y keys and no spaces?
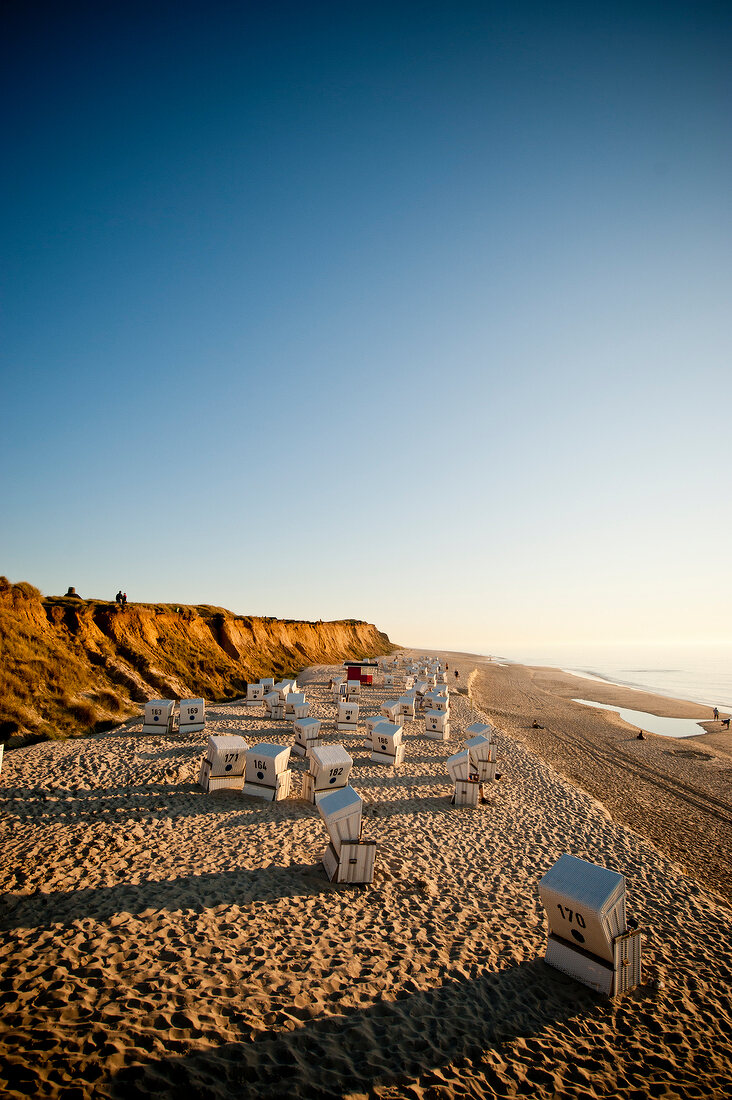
{"x":124,"y":599}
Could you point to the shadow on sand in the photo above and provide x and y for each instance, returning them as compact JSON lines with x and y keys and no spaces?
{"x":116,"y":804}
{"x":389,"y":1043}
{"x":191,"y":892}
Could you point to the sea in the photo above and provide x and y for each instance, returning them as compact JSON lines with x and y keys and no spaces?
{"x":700,"y":672}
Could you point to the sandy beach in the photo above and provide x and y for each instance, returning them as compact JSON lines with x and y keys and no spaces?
{"x":159,"y":941}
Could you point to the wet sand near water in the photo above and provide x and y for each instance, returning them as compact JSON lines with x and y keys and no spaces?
{"x":675,"y":792}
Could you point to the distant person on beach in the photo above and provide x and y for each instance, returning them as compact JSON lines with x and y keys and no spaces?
{"x":725,"y":723}
{"x":535,"y":725}
{"x":641,"y":736}
{"x":715,"y":712}
{"x":457,"y":674}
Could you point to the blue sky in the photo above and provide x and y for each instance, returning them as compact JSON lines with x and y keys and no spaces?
{"x":417,"y":313}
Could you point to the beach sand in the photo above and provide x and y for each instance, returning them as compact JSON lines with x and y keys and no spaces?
{"x":157,"y":940}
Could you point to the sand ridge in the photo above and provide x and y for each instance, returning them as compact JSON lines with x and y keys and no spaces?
{"x":158,"y":940}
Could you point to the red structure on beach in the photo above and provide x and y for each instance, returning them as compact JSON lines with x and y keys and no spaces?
{"x":363,"y":671}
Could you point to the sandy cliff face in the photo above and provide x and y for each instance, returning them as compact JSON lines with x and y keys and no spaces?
{"x":68,"y":665}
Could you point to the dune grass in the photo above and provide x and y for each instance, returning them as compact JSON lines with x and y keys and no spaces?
{"x":44,"y":686}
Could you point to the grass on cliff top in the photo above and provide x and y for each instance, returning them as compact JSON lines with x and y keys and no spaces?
{"x":204,"y":610}
{"x":20,"y":591}
{"x":45,"y":691}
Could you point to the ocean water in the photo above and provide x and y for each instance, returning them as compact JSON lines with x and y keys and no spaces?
{"x":700,"y":672}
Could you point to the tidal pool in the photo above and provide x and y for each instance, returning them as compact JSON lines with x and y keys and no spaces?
{"x":651,"y":723}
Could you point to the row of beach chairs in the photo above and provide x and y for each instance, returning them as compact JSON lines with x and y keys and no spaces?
{"x":590,"y":938}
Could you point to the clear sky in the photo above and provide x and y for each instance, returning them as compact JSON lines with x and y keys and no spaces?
{"x":412,"y":312}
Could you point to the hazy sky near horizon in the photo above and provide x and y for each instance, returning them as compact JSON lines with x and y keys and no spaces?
{"x":415,"y":313}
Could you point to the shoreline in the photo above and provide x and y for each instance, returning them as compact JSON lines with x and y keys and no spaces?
{"x":598,"y":678}
{"x":624,"y":695}
{"x":699,"y":671}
